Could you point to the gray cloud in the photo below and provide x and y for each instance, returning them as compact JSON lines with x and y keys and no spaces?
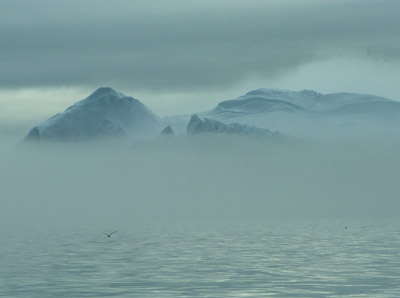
{"x":173,"y":46}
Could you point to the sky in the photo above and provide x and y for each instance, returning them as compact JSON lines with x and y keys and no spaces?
{"x":181,"y":57}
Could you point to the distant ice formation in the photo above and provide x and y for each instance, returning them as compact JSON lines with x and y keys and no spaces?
{"x":309,"y":114}
{"x":197,"y":126}
{"x":303,"y":114}
{"x":309,"y":101}
{"x":167,"y":131}
{"x":105,"y":113}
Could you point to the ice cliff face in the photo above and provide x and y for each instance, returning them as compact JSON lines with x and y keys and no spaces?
{"x":105,"y":113}
{"x":197,"y":126}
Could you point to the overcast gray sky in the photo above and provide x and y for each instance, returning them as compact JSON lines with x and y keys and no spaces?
{"x":186,"y":56}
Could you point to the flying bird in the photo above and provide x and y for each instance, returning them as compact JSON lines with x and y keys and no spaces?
{"x":109,"y":235}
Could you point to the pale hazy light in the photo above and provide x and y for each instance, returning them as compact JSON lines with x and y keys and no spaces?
{"x":345,"y":74}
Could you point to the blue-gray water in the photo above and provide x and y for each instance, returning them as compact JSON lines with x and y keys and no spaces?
{"x":224,"y":259}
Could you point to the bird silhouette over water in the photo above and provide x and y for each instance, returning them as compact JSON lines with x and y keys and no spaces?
{"x":109,"y":235}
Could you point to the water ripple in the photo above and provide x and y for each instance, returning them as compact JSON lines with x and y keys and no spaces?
{"x":206,"y":260}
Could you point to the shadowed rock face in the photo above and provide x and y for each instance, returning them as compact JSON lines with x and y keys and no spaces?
{"x":197,"y":126}
{"x":105,"y":113}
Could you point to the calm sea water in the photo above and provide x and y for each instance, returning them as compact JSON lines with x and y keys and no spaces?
{"x":224,"y":259}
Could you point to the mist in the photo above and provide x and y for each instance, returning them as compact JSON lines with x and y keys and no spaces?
{"x":112,"y":185}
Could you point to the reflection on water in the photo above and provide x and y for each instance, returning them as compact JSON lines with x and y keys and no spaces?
{"x":257,"y":259}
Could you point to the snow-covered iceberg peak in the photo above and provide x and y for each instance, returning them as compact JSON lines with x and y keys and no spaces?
{"x":268,"y":100}
{"x":103,"y":95}
{"x":106,"y":112}
{"x":106,"y":91}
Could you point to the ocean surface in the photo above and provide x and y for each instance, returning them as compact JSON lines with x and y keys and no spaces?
{"x":320,"y":258}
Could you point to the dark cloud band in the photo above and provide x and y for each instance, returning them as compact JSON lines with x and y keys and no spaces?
{"x":137,"y":45}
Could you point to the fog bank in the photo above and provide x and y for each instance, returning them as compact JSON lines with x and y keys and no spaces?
{"x":196,"y":178}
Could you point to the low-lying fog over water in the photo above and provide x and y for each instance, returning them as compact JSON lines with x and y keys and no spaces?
{"x":200,"y":217}
{"x":197,"y":178}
